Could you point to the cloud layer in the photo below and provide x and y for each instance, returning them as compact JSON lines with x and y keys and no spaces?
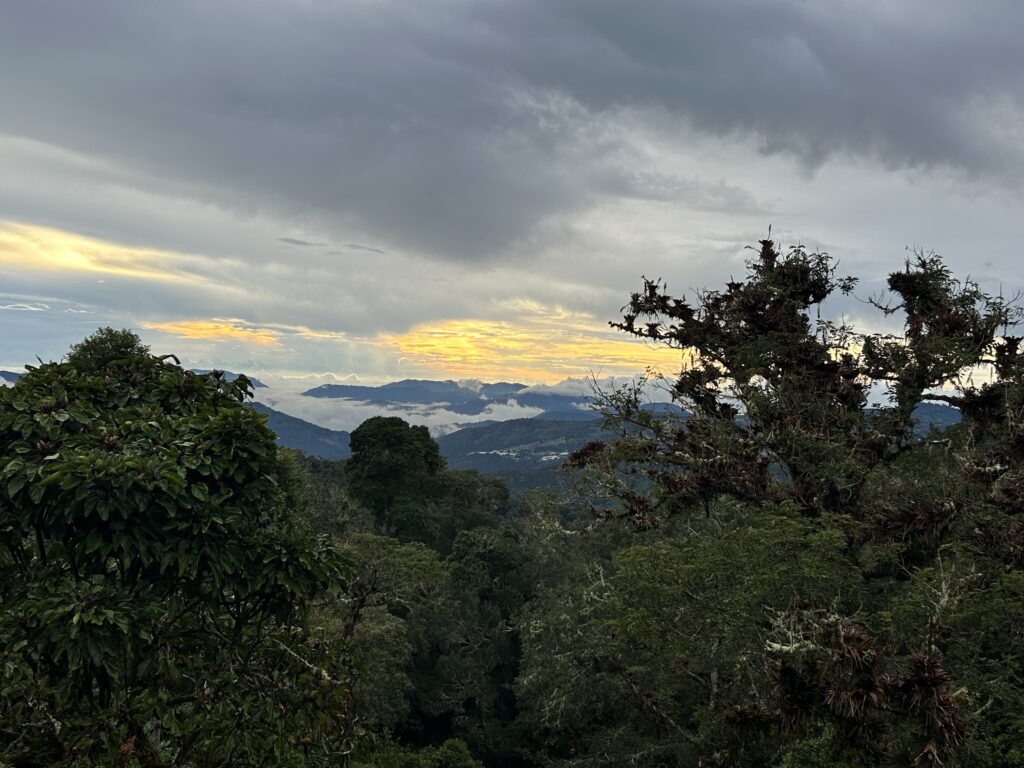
{"x":310,"y":185}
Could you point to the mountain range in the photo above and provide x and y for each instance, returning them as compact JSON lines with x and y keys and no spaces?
{"x":466,"y":399}
{"x":525,"y":452}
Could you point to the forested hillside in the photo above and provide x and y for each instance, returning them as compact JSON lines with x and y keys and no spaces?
{"x":783,"y":571}
{"x":524,"y":453}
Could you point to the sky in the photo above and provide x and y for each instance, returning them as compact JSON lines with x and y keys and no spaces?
{"x":383,"y":189}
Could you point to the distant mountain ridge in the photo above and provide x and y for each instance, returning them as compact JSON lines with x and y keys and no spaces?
{"x":455,"y":397}
{"x":302,"y":436}
{"x":525,"y":452}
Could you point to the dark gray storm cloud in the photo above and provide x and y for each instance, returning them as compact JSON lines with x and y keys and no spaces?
{"x":457,"y":129}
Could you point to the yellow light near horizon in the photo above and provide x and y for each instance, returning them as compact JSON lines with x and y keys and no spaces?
{"x":30,"y":247}
{"x":216,"y":330}
{"x":535,"y":343}
{"x":529,"y":351}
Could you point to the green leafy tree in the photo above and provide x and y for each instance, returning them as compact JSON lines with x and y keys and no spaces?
{"x":466,"y":500}
{"x":451,"y":754}
{"x":393,"y":471}
{"x":397,"y":472}
{"x":105,"y":346}
{"x":491,"y":577}
{"x":152,"y":579}
{"x":396,"y":592}
{"x":647,"y":650}
{"x":777,"y":399}
{"x":835,"y":550}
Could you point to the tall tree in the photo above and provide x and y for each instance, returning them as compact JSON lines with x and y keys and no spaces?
{"x":799,"y":481}
{"x":777,"y":397}
{"x":105,"y":346}
{"x":393,"y":470}
{"x":151,"y":578}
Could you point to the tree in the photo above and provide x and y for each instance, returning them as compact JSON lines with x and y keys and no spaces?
{"x":491,"y":581}
{"x":152,"y":579}
{"x":777,"y":403}
{"x":431,"y":643}
{"x":393,"y":470}
{"x":104,"y":346}
{"x":466,"y":500}
{"x":451,"y":754}
{"x":395,"y":594}
{"x":862,"y":546}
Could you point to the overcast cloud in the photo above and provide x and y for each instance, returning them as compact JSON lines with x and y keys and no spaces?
{"x":329,"y":174}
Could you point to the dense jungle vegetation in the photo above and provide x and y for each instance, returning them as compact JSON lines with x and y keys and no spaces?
{"x":789,"y":577}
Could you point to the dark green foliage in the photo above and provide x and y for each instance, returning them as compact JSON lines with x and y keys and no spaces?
{"x":451,"y":754}
{"x":813,"y":591}
{"x":432,"y":643}
{"x":397,"y":472}
{"x":801,"y":386}
{"x":491,"y":580}
{"x":394,"y":466}
{"x":468,"y":500}
{"x":781,"y":572}
{"x":103,"y":347}
{"x":152,"y":579}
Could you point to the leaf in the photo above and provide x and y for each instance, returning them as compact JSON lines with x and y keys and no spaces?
{"x":16,"y":484}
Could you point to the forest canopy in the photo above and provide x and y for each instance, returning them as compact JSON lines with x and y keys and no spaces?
{"x":787,"y":571}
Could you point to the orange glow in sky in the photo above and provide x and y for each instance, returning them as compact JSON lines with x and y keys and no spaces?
{"x":529,"y":351}
{"x":522,"y":341}
{"x":216,"y":330}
